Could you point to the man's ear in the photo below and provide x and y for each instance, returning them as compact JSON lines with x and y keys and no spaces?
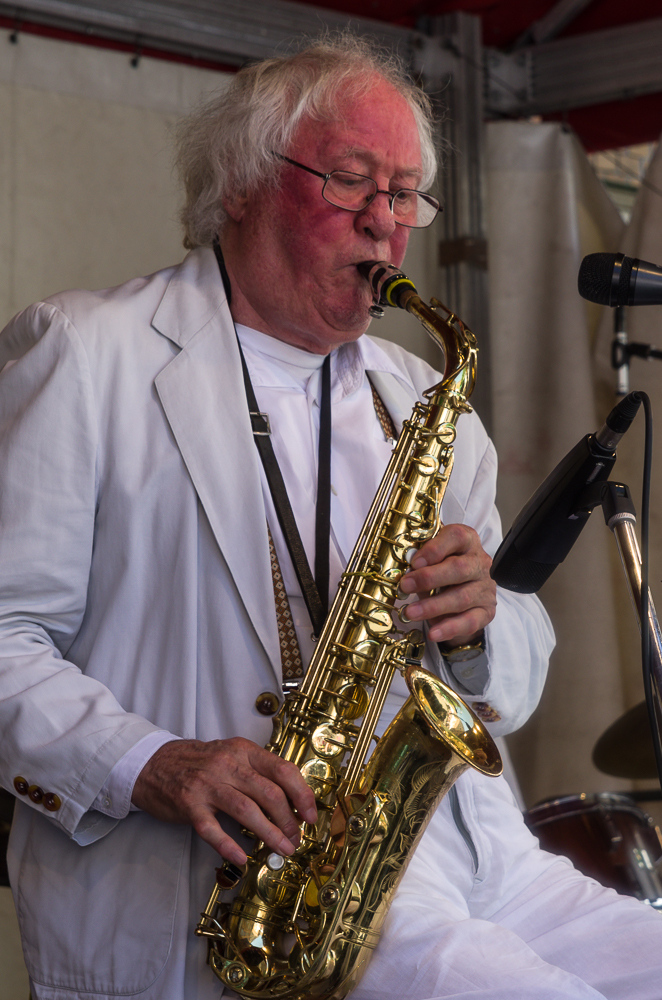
{"x":235,"y":206}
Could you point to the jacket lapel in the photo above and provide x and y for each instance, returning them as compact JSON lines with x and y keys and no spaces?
{"x":396,"y":397}
{"x":203,"y":396}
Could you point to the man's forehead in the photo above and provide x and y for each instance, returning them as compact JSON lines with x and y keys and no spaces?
{"x":357,"y":138}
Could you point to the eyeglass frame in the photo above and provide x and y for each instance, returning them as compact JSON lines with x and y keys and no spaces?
{"x":392,"y":195}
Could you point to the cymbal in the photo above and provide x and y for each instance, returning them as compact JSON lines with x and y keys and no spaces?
{"x":625,"y":749}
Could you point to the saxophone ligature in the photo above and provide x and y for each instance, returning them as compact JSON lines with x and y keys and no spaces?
{"x":305,"y":926}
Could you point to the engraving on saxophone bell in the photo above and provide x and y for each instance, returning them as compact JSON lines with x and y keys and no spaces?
{"x":304,"y":926}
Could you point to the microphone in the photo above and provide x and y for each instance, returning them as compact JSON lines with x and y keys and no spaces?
{"x":548,"y":525}
{"x":612,"y":279}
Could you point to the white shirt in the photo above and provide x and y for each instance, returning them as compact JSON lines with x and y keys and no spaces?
{"x":287,"y":385}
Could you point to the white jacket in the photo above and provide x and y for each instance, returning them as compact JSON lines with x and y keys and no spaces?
{"x":136,"y":594}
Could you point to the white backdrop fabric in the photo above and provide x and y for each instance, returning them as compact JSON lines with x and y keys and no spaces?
{"x":547,"y":209}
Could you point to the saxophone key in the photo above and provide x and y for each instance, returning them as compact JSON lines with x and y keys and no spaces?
{"x":278,"y":886}
{"x":320,"y":776}
{"x":328,"y":742}
{"x":427,"y":465}
{"x":228,"y":875}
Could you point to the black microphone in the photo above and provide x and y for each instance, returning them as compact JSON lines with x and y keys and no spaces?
{"x":548,"y":525}
{"x":612,"y":279}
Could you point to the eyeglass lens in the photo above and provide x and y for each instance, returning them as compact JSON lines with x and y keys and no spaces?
{"x":354,"y":191}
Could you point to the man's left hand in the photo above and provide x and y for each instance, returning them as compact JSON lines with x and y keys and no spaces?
{"x":455,"y":566}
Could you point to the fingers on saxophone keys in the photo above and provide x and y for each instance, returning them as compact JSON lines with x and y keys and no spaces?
{"x":426,"y":606}
{"x":272,"y":820}
{"x":268,"y":818}
{"x":209,"y":829}
{"x":287,"y":777}
{"x":411,"y":613}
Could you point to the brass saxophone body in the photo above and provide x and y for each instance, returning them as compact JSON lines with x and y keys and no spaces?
{"x":305,"y":926}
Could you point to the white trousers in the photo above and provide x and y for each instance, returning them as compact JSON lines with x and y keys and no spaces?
{"x":506,"y":921}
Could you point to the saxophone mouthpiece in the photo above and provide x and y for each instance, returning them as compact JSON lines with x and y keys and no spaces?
{"x":388,"y":284}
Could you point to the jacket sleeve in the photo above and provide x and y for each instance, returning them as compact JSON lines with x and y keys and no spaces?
{"x":62,"y":731}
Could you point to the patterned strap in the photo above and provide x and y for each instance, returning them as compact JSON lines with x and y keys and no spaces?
{"x":383,"y":415}
{"x":290,"y":654}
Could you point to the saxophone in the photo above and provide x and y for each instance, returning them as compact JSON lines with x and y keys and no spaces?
{"x":305,"y":926}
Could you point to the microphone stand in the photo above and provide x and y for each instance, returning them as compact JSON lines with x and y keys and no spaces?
{"x":622,"y":350}
{"x":634,"y":351}
{"x":620,"y":358}
{"x":620,"y":518}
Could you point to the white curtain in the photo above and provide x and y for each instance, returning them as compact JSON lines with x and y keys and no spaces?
{"x":87,"y":193}
{"x":546,"y":211}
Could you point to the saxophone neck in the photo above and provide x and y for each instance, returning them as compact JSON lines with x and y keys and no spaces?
{"x":453,"y":337}
{"x":391,"y":287}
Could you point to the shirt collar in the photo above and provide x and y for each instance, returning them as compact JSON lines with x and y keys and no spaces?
{"x":275,"y":362}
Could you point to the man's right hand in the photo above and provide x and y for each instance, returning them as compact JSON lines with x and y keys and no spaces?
{"x":188,"y":781}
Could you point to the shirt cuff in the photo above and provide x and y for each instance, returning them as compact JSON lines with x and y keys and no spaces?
{"x":114,"y":799}
{"x":470,"y":669}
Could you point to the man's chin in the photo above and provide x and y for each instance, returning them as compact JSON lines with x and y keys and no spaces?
{"x":351,"y":327}
{"x":353,"y":316}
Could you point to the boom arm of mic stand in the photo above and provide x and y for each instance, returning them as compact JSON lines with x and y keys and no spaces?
{"x":620,"y":517}
{"x":621,"y":352}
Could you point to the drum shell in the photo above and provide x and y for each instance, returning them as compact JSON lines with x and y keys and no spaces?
{"x":606,"y":836}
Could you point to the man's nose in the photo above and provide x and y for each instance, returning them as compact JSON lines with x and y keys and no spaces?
{"x":377,"y":219}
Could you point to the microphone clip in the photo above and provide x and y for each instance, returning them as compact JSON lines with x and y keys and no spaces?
{"x":612,"y":497}
{"x":621,"y":353}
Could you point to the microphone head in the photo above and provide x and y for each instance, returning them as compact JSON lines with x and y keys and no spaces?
{"x":605,"y":278}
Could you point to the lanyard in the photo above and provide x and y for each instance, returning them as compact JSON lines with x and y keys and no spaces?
{"x":315,"y":589}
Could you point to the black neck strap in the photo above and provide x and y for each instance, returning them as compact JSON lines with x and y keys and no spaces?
{"x":315,"y":590}
{"x":323,"y":504}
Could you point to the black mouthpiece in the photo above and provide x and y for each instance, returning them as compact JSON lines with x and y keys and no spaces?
{"x":387,"y":282}
{"x":365,"y":267}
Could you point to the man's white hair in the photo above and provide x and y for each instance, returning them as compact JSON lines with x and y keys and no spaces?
{"x":230,"y":145}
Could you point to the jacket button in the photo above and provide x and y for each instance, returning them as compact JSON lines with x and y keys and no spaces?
{"x":267,"y":703}
{"x":35,"y":793}
{"x":52,"y":802}
{"x":21,"y":785}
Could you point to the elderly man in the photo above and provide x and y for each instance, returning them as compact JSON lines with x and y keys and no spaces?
{"x":139,"y":641}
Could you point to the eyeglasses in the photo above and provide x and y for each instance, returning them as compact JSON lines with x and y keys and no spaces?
{"x":354,"y":192}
